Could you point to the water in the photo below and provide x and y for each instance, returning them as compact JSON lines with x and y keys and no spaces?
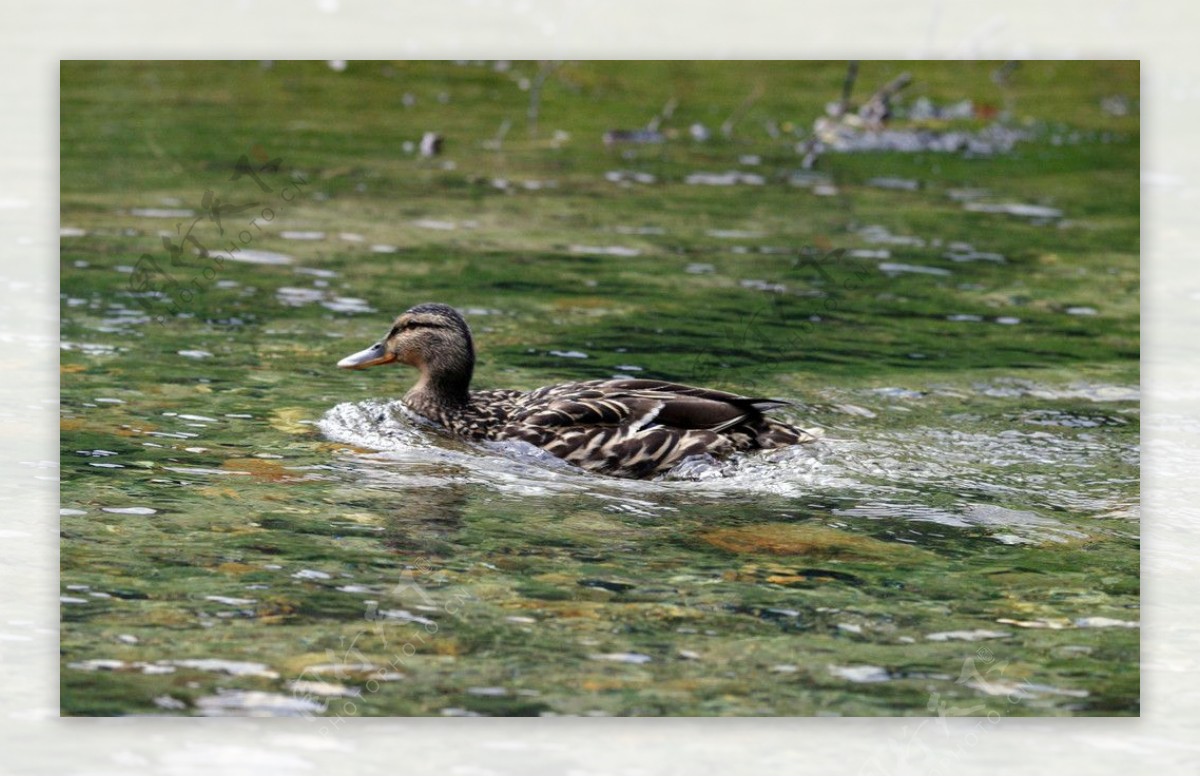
{"x":248,"y":530}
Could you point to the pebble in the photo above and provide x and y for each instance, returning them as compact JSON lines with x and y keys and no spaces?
{"x":94,"y":664}
{"x":605,"y":250}
{"x":1039,"y":623}
{"x":728,"y":178}
{"x":861,"y":674}
{"x":321,"y":688}
{"x":250,"y":256}
{"x":966,"y":636}
{"x":1104,"y":623}
{"x":224,"y":666}
{"x":235,"y":703}
{"x":310,"y":574}
{"x":169,"y":703}
{"x":894,"y":268}
{"x":624,"y":658}
{"x":444,"y":226}
{"x":1014,"y":209}
{"x":487,"y":691}
{"x":230,"y":600}
{"x":387,"y":676}
{"x":894,"y":183}
{"x":406,"y":616}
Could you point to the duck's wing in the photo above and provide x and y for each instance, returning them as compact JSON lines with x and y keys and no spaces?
{"x":739,"y":419}
{"x":589,"y":408}
{"x":638,"y":404}
{"x":643,"y":386}
{"x":636,"y":427}
{"x":692,"y":407}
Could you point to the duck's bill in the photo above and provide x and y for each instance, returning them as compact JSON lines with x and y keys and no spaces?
{"x":376,"y":354}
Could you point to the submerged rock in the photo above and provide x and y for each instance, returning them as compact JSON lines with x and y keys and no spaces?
{"x":785,"y":539}
{"x":966,"y":636}
{"x":861,"y":674}
{"x":256,"y":704}
{"x":623,"y":658}
{"x":310,"y":688}
{"x":1105,"y":623}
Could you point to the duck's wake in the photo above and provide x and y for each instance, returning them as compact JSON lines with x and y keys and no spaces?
{"x":881,"y":475}
{"x":395,"y":434}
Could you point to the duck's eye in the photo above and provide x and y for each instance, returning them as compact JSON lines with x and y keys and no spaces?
{"x":420,"y":325}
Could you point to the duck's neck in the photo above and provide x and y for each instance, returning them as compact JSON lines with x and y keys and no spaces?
{"x":445,"y":384}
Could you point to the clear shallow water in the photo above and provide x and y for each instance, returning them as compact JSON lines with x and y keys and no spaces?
{"x":884,"y":474}
{"x":242,"y":534}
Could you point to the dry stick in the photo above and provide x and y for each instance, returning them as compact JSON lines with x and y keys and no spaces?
{"x":1000,"y":77}
{"x":878,"y":107}
{"x":848,"y":85}
{"x":666,"y":113}
{"x":497,"y":143}
{"x":535,"y":92}
{"x":892,"y":87}
{"x":727,"y":125}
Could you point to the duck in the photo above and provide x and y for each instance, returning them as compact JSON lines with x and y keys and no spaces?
{"x":623,"y":427}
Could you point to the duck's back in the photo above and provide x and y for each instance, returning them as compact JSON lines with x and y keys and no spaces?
{"x":630,"y":428}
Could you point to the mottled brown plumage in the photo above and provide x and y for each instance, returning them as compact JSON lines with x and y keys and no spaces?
{"x":629,"y":428}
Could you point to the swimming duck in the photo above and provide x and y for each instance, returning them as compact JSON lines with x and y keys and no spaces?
{"x":623,"y":427}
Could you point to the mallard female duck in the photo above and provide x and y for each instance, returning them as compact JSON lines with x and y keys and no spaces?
{"x":628,"y":428}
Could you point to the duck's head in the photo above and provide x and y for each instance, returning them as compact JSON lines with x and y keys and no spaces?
{"x":432,"y":337}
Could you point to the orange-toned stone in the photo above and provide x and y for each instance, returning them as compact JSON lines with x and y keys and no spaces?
{"x":808,"y":540}
{"x":263,"y":469}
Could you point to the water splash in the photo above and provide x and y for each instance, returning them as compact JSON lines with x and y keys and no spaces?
{"x":1007,"y":484}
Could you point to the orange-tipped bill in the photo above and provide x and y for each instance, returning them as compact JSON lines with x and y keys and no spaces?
{"x":376,"y":354}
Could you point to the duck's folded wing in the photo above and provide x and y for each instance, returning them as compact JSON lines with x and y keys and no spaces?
{"x":591,"y":408}
{"x":641,"y":403}
{"x":692,"y":407}
{"x":656,"y":387}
